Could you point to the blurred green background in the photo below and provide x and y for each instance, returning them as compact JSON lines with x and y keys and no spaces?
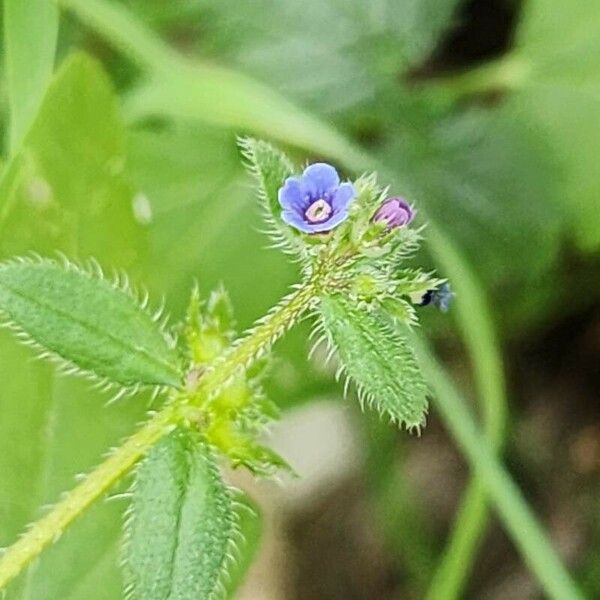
{"x":485,"y":114}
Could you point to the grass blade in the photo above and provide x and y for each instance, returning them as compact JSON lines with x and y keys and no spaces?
{"x":514,"y":512}
{"x":30,"y":32}
{"x":476,"y":323}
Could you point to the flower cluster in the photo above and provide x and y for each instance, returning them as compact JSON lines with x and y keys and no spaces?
{"x":316,"y":202}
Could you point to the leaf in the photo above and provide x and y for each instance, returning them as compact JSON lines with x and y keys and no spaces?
{"x":88,"y":322}
{"x":270,"y":168}
{"x":70,"y":192}
{"x":331,"y":56}
{"x":481,"y":171}
{"x":205,"y":92}
{"x":181,"y":522}
{"x":251,"y":525}
{"x":487,"y":177}
{"x":377,"y":359}
{"x":560,"y":92}
{"x":28,"y":66}
{"x":68,"y":186}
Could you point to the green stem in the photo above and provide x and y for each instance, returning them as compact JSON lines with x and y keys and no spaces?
{"x":242,"y":354}
{"x":50,"y":527}
{"x":258,"y":340}
{"x":513,"y":510}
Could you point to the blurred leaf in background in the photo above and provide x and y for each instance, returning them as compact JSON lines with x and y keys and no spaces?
{"x":70,"y":192}
{"x":558,"y":47}
{"x":336,"y":57}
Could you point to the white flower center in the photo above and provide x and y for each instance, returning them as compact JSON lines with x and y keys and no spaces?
{"x":318,"y":211}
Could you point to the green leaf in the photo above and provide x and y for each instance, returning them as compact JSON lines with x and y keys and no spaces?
{"x":69,"y":181}
{"x":250,"y":521}
{"x":88,"y":322}
{"x":204,"y":92}
{"x":181,"y":522}
{"x":67,"y":190}
{"x":559,"y":92}
{"x":377,"y":359}
{"x":270,"y":168}
{"x":28,"y":66}
{"x":332,"y":56}
{"x":469,"y":170}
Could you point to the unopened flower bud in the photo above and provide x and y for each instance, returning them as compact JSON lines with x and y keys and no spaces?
{"x":395,"y":212}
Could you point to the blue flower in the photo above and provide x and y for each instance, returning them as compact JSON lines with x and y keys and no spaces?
{"x":316,"y":201}
{"x":441,"y":297}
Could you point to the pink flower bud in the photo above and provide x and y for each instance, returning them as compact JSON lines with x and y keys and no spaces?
{"x":395,"y":212}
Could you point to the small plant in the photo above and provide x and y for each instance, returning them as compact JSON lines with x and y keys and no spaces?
{"x":352,"y":242}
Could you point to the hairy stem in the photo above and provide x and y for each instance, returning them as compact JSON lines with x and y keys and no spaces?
{"x":251,"y":346}
{"x":50,"y":527}
{"x":257,"y":340}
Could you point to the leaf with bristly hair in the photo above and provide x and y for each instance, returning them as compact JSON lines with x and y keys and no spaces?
{"x":270,"y":168}
{"x":377,"y":359}
{"x":181,"y":523}
{"x":88,"y":322}
{"x":251,"y":526}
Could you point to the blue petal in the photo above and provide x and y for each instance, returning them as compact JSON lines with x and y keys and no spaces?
{"x":320,"y":178}
{"x":292,"y":196}
{"x":295,"y":219}
{"x":343,"y":196}
{"x":337,"y":218}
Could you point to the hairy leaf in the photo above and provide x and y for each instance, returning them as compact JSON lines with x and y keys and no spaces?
{"x":86,"y":321}
{"x":181,"y":522}
{"x":251,"y":529}
{"x":270,"y":168}
{"x":71,"y":193}
{"x":377,"y":359}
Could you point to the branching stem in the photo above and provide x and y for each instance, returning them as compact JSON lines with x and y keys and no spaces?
{"x":251,"y":346}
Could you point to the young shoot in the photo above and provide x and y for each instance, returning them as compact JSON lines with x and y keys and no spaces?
{"x":353,"y":242}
